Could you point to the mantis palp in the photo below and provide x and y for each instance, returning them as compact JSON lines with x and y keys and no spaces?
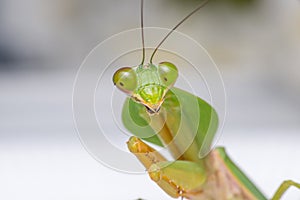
{"x":174,"y":117}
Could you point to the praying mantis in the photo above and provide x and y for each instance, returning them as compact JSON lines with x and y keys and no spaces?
{"x":184,"y":124}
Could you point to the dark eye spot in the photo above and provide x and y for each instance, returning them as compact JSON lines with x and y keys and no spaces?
{"x":165,"y":78}
{"x":122,"y":84}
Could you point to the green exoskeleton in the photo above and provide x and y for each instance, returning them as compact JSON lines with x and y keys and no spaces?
{"x":166,"y":116}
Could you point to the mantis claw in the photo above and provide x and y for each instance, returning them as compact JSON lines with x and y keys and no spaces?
{"x":193,"y":180}
{"x":178,"y":179}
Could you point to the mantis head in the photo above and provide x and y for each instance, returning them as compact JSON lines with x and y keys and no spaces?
{"x":147,"y":84}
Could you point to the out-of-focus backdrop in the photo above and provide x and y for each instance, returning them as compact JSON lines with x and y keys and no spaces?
{"x":256,"y":45}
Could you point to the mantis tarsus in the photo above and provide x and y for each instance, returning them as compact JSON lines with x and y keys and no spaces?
{"x":186,"y":125}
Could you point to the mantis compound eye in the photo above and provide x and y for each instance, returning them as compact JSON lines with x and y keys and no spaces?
{"x":168,"y":73}
{"x":125,"y":79}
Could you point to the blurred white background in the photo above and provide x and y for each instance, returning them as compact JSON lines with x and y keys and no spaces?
{"x":43,"y":42}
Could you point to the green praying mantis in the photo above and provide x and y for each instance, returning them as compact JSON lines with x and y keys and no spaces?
{"x":161,"y":114}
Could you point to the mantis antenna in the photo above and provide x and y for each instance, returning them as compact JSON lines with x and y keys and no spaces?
{"x":142,"y":29}
{"x":177,"y":25}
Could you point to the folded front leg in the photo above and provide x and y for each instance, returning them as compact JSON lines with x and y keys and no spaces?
{"x":178,"y":178}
